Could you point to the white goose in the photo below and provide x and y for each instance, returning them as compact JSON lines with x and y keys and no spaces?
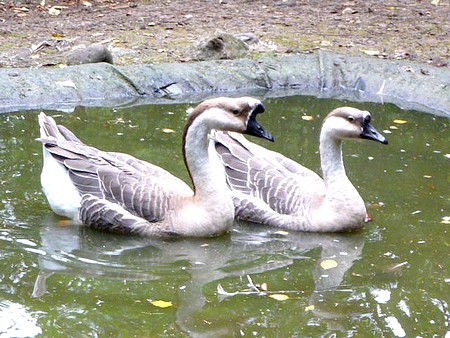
{"x":119,"y":193}
{"x":271,"y":189}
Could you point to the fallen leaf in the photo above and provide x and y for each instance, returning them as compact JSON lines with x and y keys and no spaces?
{"x":445,"y":220}
{"x":57,"y":35}
{"x":161,"y":303}
{"x":398,"y":121}
{"x":309,"y":308}
{"x":328,"y":264}
{"x":371,"y":52}
{"x":168,"y":130}
{"x":264,"y":286}
{"x":307,"y":117}
{"x":279,"y":296}
{"x":55,"y":10}
{"x":427,"y":176}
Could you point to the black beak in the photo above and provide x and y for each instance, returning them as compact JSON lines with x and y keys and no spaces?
{"x":253,"y":126}
{"x":370,"y":133}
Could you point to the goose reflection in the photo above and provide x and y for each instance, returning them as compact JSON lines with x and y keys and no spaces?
{"x":83,"y":252}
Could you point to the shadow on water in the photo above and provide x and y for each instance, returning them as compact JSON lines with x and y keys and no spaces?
{"x":388,"y":279}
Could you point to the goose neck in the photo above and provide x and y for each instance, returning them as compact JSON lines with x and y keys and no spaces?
{"x":331,"y":159}
{"x":206,"y":179}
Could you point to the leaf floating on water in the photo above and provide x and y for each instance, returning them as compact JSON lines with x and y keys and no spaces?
{"x":279,"y":296}
{"x":161,"y":303}
{"x":307,"y":117}
{"x":281,"y":232}
{"x":309,"y":308}
{"x":168,"y":130}
{"x":398,"y":121}
{"x":328,"y":264}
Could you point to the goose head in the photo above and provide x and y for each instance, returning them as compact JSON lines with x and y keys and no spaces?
{"x":351,"y":123}
{"x":230,"y":114}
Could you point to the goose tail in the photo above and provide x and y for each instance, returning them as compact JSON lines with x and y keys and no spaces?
{"x":49,"y":130}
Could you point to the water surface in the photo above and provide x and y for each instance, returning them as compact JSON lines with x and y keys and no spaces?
{"x":391,"y":279}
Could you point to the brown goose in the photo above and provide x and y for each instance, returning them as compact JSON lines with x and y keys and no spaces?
{"x":271,"y":189}
{"x":119,"y":193}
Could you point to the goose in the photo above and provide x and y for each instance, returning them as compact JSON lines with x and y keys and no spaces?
{"x":269,"y":188}
{"x":118,"y":193}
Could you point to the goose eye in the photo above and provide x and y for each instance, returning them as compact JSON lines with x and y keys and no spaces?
{"x":350,"y":118}
{"x":235,"y":111}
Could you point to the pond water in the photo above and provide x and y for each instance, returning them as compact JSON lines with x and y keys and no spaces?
{"x":392,"y":278}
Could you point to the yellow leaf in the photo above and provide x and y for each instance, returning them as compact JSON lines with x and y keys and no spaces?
{"x":393,"y":127}
{"x":328,"y":264}
{"x":307,"y":117}
{"x":398,"y":121}
{"x":161,"y":303}
{"x":309,"y":308}
{"x":427,"y":176}
{"x":281,"y":232}
{"x":264,"y":286}
{"x":168,"y":130}
{"x":279,"y":296}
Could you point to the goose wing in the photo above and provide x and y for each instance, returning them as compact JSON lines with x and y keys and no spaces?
{"x":143,"y":189}
{"x":264,"y":174}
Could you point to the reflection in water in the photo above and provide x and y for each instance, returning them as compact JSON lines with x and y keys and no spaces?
{"x":73,"y":250}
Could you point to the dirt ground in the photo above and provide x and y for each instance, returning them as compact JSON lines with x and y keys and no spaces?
{"x":35,"y":34}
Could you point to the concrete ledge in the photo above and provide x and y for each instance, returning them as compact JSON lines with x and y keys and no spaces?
{"x":324,"y":74}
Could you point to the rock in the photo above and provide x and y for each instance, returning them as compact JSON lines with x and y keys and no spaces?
{"x":91,"y":54}
{"x":219,"y":47}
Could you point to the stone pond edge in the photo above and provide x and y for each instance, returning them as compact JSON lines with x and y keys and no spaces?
{"x":407,"y":84}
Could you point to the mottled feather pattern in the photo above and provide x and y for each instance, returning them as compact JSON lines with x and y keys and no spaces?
{"x":103,"y":215}
{"x":116,"y":177}
{"x":269,"y":176}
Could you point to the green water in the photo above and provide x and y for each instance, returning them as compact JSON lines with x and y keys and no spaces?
{"x":392,"y":278}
